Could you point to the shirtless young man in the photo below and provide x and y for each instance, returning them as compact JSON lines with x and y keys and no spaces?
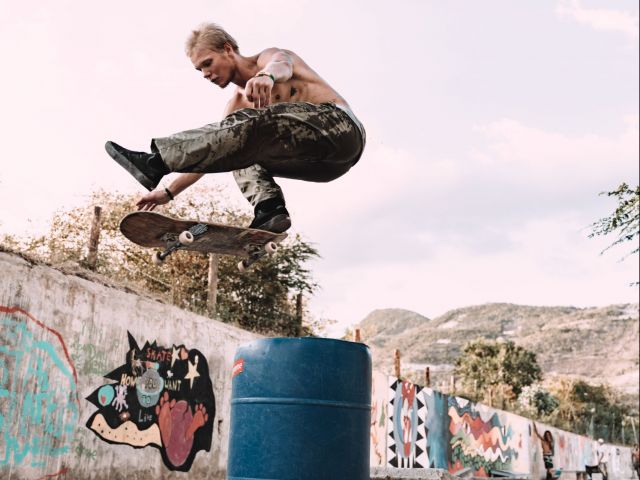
{"x":546,"y":442}
{"x":283,"y":120}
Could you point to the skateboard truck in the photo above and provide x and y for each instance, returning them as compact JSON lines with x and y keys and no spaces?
{"x":255,"y":253}
{"x":185,"y":238}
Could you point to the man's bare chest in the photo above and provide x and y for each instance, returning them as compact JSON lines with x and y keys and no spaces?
{"x":291,"y":91}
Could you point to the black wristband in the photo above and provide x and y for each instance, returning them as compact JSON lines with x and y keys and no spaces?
{"x":265,"y":74}
{"x":168,"y":192}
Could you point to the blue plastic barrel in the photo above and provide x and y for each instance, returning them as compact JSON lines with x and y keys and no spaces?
{"x":300,"y":410}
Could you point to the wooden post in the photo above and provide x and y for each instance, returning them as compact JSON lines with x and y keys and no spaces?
{"x":356,"y":335}
{"x":175,"y":290}
{"x":299,"y":313}
{"x":427,"y":377}
{"x":299,"y":307}
{"x":94,"y":238}
{"x":453,"y":384}
{"x":212,"y":293}
{"x":397,"y":363}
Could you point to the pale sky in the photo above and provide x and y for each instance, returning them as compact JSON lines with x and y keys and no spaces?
{"x":492,"y":126}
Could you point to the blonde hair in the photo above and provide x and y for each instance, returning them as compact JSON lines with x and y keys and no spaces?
{"x":210,"y":35}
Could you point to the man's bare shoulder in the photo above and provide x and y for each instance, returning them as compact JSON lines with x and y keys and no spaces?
{"x":273,"y":53}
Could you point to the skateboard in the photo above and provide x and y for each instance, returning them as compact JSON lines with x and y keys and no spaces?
{"x":154,"y":230}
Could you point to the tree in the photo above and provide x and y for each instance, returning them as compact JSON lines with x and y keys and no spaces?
{"x":595,"y":410}
{"x":262,"y":299}
{"x":495,"y":370}
{"x":624,"y":221}
{"x":536,"y":402}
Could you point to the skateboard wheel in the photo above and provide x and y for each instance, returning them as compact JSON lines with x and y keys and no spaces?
{"x":156,"y":259}
{"x":186,"y":237}
{"x":241,"y":266}
{"x":271,"y":247}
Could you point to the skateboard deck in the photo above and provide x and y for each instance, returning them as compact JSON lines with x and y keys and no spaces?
{"x":154,"y":230}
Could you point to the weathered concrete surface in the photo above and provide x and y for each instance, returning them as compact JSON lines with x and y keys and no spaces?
{"x":60,"y":334}
{"x":380,"y":473}
{"x":53,"y":323}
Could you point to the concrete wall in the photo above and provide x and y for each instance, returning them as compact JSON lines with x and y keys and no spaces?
{"x":82,"y":365}
{"x":97,"y":382}
{"x":415,"y":427}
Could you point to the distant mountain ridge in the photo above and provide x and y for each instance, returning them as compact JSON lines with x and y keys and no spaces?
{"x":598,"y":344}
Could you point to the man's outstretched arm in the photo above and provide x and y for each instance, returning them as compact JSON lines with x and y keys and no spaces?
{"x":535,"y":429}
{"x":159,"y":197}
{"x":183,"y":181}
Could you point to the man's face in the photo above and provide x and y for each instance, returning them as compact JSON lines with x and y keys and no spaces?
{"x":217,"y":67}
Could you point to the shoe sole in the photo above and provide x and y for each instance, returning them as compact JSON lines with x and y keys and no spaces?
{"x":278,"y":224}
{"x":125,"y":163}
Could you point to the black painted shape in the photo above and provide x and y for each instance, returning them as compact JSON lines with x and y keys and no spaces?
{"x":158,"y":359}
{"x":133,"y":345}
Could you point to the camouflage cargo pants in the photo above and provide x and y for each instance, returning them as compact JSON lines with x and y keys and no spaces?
{"x":304,"y":141}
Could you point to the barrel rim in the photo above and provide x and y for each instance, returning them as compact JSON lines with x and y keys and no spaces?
{"x":306,"y":339}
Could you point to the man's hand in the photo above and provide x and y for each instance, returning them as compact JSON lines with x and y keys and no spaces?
{"x":152,"y":199}
{"x":258,"y":90}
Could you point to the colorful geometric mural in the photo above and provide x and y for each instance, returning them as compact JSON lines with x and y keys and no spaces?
{"x":484,"y":439}
{"x":162,"y":398}
{"x":429,"y":429}
{"x":406,"y":438}
{"x":437,"y":427}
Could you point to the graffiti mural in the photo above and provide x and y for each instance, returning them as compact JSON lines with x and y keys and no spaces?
{"x":574,"y":451}
{"x":378,"y":420}
{"x":430,"y":429}
{"x":162,"y":398}
{"x":39,"y":404}
{"x":485,"y":439}
{"x":437,"y":428}
{"x":406,"y":438}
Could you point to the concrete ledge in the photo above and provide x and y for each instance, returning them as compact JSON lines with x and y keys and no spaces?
{"x":382,"y":473}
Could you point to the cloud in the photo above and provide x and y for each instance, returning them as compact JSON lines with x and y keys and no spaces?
{"x":556,"y":161}
{"x":600,"y":18}
{"x":552,"y":262}
{"x":383,"y":174}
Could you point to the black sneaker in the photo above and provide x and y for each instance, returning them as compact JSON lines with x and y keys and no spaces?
{"x":147,"y":168}
{"x":272,"y":218}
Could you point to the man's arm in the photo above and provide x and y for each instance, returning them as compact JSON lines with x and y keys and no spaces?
{"x":276,"y":62}
{"x":275,"y":66}
{"x":159,"y":197}
{"x":535,"y":429}
{"x":183,"y":181}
